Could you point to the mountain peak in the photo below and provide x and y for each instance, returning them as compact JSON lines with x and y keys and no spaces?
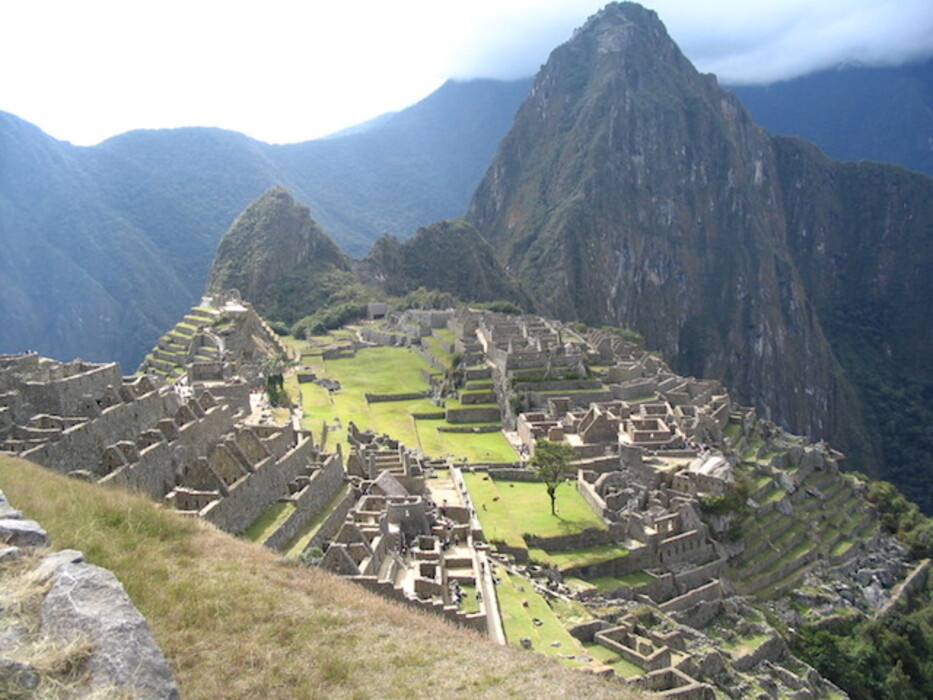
{"x":272,"y":240}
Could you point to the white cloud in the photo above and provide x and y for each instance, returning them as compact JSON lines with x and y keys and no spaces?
{"x":288,"y":70}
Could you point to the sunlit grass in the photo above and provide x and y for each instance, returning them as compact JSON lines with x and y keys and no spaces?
{"x":270,"y":521}
{"x":584,"y":556}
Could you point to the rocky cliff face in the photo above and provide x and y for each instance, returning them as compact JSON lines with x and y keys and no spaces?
{"x":633,"y":191}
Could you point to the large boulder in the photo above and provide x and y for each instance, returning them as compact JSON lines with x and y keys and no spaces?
{"x":85,"y":600}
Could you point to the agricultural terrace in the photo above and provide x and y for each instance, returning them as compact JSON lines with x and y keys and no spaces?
{"x":386,"y":370}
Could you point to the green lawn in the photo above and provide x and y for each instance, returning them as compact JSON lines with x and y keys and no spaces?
{"x":607,"y":583}
{"x":493,"y":513}
{"x":269,"y":521}
{"x":508,"y":509}
{"x":390,"y":370}
{"x":585,"y":556}
{"x":474,"y":447}
{"x":379,"y":370}
{"x":518,"y":620}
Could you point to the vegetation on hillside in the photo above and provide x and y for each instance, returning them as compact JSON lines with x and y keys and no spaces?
{"x":886,"y":659}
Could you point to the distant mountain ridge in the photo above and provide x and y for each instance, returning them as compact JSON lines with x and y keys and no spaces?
{"x":883,"y":114}
{"x":152,"y":205}
{"x":105,"y":246}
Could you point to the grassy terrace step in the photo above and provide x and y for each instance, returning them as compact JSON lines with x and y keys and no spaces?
{"x":819,"y":480}
{"x":480,"y":384}
{"x":162,"y":365}
{"x":585,"y":556}
{"x":436,"y":349}
{"x":307,"y":532}
{"x":784,"y":584}
{"x":752,"y":584}
{"x":869,"y":524}
{"x":768,"y":555}
{"x":270,"y":521}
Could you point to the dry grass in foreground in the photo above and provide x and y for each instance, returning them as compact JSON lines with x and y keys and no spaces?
{"x":236,"y":623}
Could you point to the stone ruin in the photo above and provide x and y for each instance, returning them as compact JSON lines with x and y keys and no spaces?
{"x":654,"y":450}
{"x":220,"y":345}
{"x":195,"y":453}
{"x":401,"y":544}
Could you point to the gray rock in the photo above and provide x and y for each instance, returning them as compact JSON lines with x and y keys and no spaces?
{"x":17,"y":678}
{"x":52,"y":562}
{"x":9,"y":512}
{"x":23,"y":533}
{"x":87,"y":600}
{"x":10,"y":554}
{"x":6,"y":510}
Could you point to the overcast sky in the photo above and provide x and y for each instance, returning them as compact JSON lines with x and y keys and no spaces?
{"x":291,"y":70}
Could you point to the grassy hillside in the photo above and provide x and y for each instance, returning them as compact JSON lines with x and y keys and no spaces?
{"x":236,"y":623}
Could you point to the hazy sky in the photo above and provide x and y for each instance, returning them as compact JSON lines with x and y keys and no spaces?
{"x":291,"y":70}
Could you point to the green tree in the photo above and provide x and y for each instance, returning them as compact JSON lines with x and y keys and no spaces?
{"x":551,"y":461}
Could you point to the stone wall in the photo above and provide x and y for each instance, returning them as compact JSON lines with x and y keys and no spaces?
{"x":377,"y":398}
{"x":333,"y":521}
{"x":489,"y":414}
{"x":634,"y":389}
{"x":67,"y":396}
{"x":249,"y":497}
{"x":771,"y":649}
{"x":687,"y":546}
{"x":476,"y":621}
{"x":513,"y":474}
{"x":153,"y":474}
{"x":692,"y":578}
{"x":590,"y":537}
{"x":81,"y":446}
{"x":323,"y":484}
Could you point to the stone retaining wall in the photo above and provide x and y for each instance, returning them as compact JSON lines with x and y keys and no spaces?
{"x":513,"y":474}
{"x":469,"y":429}
{"x":476,"y":414}
{"x":250,"y":496}
{"x":380,"y":398}
{"x":324,"y":483}
{"x":707,"y":593}
{"x":590,"y":537}
{"x":332,"y":522}
{"x":476,"y":621}
{"x":81,"y":446}
{"x":771,"y":649}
